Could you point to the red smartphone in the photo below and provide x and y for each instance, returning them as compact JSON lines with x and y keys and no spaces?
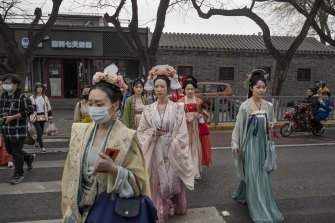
{"x":112,"y":152}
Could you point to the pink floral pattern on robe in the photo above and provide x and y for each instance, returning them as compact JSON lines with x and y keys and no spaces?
{"x":167,"y":157}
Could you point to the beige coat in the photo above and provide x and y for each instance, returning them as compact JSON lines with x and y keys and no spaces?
{"x":130,"y":157}
{"x":47,"y":108}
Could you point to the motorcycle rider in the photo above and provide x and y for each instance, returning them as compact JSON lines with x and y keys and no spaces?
{"x":313,"y":99}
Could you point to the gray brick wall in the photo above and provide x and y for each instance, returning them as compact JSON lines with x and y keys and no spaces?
{"x":206,"y":67}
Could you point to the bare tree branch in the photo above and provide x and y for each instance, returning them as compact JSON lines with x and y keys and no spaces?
{"x":242,"y":12}
{"x":45,"y":29}
{"x":17,"y":60}
{"x":315,"y":26}
{"x":283,"y":60}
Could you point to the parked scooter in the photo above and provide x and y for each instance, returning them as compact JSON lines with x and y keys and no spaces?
{"x":298,"y":123}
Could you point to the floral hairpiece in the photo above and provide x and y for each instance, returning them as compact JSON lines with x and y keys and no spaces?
{"x":111,"y":78}
{"x":166,"y":70}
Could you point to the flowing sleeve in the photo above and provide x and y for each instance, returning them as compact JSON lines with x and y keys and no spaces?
{"x":235,"y":137}
{"x":236,"y":141}
{"x":272,"y":118}
{"x":179,"y":152}
{"x":65,"y":185}
{"x":126,"y":119}
{"x":133,"y":165}
{"x":146,"y":136}
{"x":77,"y":115}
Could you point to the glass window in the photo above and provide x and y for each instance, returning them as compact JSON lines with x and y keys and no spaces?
{"x":55,"y":78}
{"x":226,"y":73}
{"x":185,"y":70}
{"x":304,"y":74}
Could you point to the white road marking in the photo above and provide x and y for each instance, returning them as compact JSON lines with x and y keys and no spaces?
{"x":278,"y":146}
{"x":43,"y":164}
{"x":30,"y":187}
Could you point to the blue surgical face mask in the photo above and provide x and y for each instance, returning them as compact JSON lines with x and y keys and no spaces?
{"x":99,"y":114}
{"x":7,"y":87}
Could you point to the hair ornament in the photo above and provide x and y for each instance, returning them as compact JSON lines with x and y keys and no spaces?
{"x":254,"y":73}
{"x":166,"y":70}
{"x":110,"y":76}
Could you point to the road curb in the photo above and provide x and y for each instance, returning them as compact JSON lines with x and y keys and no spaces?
{"x":230,"y":126}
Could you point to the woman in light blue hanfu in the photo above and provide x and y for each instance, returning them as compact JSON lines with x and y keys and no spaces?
{"x":249,"y":142}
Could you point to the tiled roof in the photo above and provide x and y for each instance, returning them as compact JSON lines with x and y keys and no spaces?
{"x":247,"y":43}
{"x":79,"y":15}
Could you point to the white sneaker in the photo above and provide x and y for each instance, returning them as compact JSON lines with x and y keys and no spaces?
{"x":10,"y":164}
{"x":44,"y":150}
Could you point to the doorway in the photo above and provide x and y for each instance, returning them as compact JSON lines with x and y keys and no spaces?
{"x":70,"y":74}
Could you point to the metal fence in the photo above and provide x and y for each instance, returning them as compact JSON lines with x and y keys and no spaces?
{"x":224,"y":109}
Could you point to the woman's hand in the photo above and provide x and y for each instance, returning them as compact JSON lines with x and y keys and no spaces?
{"x":105,"y":164}
{"x":236,"y":151}
{"x":198,"y":115}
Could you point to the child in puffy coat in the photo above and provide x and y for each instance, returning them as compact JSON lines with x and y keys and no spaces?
{"x":326,"y":106}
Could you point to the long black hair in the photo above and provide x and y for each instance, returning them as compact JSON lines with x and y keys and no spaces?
{"x":194,"y":84}
{"x":256,"y":75}
{"x":134,"y":83}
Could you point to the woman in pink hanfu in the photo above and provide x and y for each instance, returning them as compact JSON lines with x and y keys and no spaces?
{"x":192,"y":109}
{"x":163,"y":135}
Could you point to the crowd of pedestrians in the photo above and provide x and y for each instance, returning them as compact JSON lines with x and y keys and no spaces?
{"x":163,"y":141}
{"x":138,"y":139}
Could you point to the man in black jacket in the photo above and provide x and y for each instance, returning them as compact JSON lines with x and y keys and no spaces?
{"x":15,"y":108}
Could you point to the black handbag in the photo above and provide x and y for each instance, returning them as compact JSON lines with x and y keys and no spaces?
{"x":110,"y":208}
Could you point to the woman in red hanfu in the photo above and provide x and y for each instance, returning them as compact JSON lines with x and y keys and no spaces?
{"x":193,"y":118}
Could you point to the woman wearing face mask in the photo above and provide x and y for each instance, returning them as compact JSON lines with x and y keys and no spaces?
{"x":88,"y":170}
{"x":81,"y":110}
{"x":193,"y":117}
{"x":42,"y":113}
{"x":134,"y":105}
{"x":15,"y":108}
{"x":249,"y":141}
{"x":164,"y":138}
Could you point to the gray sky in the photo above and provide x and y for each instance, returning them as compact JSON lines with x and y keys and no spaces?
{"x":175,"y":22}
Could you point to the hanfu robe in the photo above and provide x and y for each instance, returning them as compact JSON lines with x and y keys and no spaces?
{"x":130,"y":158}
{"x":250,"y":136}
{"x":164,"y":141}
{"x":131,"y":114}
{"x":191,"y":112}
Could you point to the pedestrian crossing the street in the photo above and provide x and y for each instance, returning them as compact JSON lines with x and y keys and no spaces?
{"x":37,"y":198}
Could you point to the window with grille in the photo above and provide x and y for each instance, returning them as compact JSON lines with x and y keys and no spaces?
{"x":226,"y":73}
{"x":304,"y":74}
{"x":185,"y":70}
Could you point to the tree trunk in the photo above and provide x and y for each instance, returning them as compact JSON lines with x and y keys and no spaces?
{"x":282,"y":66}
{"x":148,"y":62}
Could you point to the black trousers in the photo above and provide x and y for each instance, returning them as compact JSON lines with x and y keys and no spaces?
{"x":39,"y":126}
{"x":15,"y":148}
{"x":318,"y":124}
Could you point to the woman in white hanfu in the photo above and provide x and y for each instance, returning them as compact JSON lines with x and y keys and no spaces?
{"x":163,"y":135}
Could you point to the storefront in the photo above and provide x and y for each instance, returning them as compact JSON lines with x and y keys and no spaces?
{"x":68,"y":57}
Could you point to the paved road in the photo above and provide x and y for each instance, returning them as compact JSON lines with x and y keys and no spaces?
{"x":303,"y":185}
